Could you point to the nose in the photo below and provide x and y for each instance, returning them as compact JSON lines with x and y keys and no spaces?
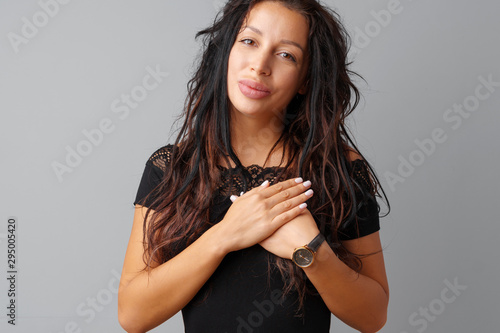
{"x":260,"y":63}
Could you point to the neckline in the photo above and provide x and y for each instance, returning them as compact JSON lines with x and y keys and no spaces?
{"x":252,"y":166}
{"x":256,"y":166}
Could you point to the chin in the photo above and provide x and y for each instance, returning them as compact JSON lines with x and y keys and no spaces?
{"x":251,"y":109}
{"x":247,"y":112}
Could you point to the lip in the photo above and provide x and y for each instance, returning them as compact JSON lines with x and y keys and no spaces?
{"x":252,"y":89}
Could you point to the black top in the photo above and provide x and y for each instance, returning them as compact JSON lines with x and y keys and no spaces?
{"x":239,"y":296}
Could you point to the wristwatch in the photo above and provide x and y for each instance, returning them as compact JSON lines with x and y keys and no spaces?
{"x":304,"y":256}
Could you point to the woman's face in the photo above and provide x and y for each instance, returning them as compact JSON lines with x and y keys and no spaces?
{"x":268,"y":61}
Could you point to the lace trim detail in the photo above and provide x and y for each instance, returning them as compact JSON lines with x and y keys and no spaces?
{"x":253,"y":167}
{"x":258,"y":174}
{"x":360,"y":173}
{"x":161,"y":158}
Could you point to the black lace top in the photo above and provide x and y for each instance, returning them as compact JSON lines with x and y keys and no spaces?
{"x":239,"y":296}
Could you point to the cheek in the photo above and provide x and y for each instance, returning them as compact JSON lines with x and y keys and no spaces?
{"x":231,"y":66}
{"x":234,"y":61}
{"x":291,"y":80}
{"x":231,"y":73}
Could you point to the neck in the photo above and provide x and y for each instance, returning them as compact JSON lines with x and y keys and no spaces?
{"x":253,"y":137}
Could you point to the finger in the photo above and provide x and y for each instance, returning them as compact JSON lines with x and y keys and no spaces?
{"x":288,"y":193}
{"x":281,"y":186}
{"x":288,"y":215}
{"x":292,"y":203}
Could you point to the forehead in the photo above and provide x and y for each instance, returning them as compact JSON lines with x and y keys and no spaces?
{"x":277,"y":21}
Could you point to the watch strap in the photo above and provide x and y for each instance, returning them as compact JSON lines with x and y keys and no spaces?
{"x":316,"y":242}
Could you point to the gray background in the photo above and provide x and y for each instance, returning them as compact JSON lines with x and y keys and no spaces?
{"x":73,"y":231}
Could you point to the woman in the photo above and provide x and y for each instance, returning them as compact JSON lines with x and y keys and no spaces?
{"x":222,"y":230}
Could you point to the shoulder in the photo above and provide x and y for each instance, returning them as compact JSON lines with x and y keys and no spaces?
{"x":353,"y":155}
{"x":161,"y":157}
{"x":360,"y":170}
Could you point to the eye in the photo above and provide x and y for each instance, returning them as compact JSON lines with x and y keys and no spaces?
{"x":288,"y":56}
{"x":247,"y":41}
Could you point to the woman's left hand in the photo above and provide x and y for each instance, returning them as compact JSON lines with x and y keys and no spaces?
{"x":298,"y":232}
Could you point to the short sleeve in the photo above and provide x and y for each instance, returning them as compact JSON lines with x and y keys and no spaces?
{"x":368,"y":208}
{"x":152,"y":176}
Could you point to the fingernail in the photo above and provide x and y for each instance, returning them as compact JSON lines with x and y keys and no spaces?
{"x":302,"y":205}
{"x":307,"y":183}
{"x":309,"y":193}
{"x":264,"y":183}
{"x":299,"y":180}
{"x":233,"y":197}
{"x":242,"y":193}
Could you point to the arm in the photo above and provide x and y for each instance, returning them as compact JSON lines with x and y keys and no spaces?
{"x":147,"y":300}
{"x":360,"y":301}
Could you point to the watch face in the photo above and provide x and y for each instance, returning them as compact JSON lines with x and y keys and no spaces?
{"x":303,"y":257}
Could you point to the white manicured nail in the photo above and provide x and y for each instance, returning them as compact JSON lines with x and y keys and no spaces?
{"x":309,"y":193}
{"x":242,"y":193}
{"x":302,"y":205}
{"x":307,"y":183}
{"x":264,"y":183}
{"x":233,"y":197}
{"x":299,"y":180}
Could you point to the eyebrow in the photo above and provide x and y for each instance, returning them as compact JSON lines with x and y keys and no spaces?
{"x":283,"y":41}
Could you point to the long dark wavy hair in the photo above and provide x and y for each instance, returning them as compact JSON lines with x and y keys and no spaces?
{"x":314,"y":134}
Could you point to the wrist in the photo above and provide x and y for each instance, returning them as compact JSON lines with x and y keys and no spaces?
{"x":304,"y":256}
{"x":322,"y":255}
{"x":216,"y":243}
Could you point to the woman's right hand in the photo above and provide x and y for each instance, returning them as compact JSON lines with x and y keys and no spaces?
{"x":258,"y":213}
